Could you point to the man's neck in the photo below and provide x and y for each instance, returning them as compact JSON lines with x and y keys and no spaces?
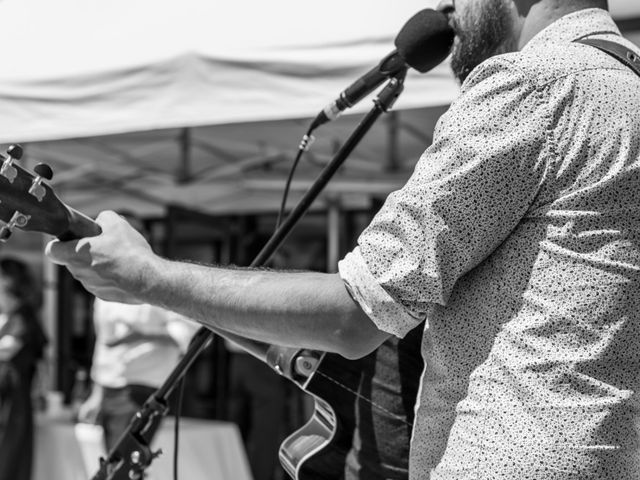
{"x":541,"y":15}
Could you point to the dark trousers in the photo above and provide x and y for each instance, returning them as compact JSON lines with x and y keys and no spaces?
{"x":119,"y":405}
{"x":258,"y":404}
{"x":16,"y":430}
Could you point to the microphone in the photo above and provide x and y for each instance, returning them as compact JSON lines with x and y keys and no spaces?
{"x":422,"y":43}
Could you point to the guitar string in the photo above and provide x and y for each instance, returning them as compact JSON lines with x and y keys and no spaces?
{"x":350,"y":390}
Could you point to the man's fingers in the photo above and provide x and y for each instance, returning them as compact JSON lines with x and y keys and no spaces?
{"x":93,"y":261}
{"x":108,"y":218}
{"x":59,"y":252}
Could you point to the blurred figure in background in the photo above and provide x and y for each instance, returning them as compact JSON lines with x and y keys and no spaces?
{"x":136,"y":348}
{"x":22,"y":342}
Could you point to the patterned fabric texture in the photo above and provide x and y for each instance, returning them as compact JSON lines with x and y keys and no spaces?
{"x":517,"y":239}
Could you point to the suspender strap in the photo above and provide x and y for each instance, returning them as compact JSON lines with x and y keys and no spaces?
{"x":620,"y":52}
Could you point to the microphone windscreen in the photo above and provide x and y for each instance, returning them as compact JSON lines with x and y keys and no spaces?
{"x":425,"y":40}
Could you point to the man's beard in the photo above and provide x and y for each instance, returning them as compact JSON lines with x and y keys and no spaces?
{"x":485,"y":30}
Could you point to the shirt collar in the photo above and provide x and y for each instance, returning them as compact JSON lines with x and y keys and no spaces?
{"x":573,"y":26}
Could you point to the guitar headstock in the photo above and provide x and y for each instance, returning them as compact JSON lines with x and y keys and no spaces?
{"x":26,"y":201}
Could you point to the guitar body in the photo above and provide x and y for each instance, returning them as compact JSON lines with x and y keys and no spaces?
{"x":361,"y":425}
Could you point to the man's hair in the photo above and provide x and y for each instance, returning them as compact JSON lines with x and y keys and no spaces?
{"x":20,"y":281}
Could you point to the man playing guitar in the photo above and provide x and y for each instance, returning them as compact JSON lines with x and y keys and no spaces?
{"x":516,"y":239}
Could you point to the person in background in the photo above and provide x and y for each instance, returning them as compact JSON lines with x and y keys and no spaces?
{"x":22,"y":341}
{"x":136,"y":348}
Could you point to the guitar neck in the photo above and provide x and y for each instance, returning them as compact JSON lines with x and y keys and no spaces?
{"x":79,"y":226}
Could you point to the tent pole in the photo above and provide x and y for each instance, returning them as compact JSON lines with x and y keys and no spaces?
{"x":393,"y":161}
{"x":333,"y":233}
{"x":184,"y":169}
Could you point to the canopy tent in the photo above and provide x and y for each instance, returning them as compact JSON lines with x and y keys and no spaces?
{"x":105,"y":92}
{"x":144,"y":103}
{"x":75,"y":68}
{"x":148,"y":103}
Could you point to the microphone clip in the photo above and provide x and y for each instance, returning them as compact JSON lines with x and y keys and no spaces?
{"x":391,"y":91}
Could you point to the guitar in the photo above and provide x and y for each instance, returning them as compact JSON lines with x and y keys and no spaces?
{"x":363,"y":415}
{"x":28,"y":203}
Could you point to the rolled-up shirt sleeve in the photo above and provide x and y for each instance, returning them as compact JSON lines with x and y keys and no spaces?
{"x":388,"y":315}
{"x":469,"y":190}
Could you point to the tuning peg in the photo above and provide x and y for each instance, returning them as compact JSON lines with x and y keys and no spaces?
{"x":14,"y":152}
{"x":19,"y":220}
{"x":5,"y":233}
{"x":43,"y":171}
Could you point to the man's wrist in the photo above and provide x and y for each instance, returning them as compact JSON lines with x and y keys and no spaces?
{"x":150,"y":276}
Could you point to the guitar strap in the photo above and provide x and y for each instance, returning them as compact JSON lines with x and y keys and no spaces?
{"x":617,"y":51}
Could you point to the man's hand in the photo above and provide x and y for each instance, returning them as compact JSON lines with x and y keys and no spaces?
{"x":302,"y":309}
{"x":89,"y":410}
{"x":109,"y":265}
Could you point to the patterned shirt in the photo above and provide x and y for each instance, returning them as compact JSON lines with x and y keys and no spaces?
{"x":518,"y":239}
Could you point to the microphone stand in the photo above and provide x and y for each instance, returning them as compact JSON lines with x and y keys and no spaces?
{"x":132,"y":454}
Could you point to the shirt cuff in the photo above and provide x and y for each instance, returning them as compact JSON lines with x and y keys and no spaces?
{"x":387,"y":314}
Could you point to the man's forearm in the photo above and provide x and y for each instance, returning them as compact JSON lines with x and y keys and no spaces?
{"x":301,"y":309}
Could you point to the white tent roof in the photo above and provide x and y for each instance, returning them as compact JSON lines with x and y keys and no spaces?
{"x":76,"y":68}
{"x":103,"y":91}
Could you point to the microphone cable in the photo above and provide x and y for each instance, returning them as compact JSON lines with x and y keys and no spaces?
{"x":303,"y":147}
{"x":423,"y":43}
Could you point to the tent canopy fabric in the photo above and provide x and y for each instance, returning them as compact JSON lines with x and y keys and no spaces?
{"x":78,"y":68}
{"x":145,"y":103}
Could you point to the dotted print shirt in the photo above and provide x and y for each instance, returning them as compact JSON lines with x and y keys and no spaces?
{"x":518,"y":239}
